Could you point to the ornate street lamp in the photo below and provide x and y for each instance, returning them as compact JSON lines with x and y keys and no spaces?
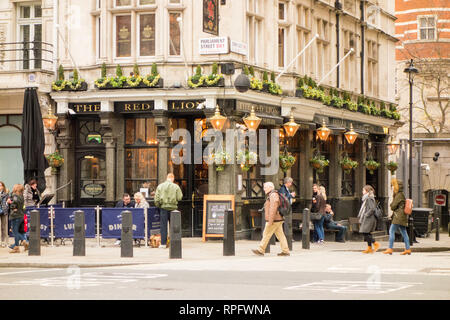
{"x":252,"y":121}
{"x":393,"y":146}
{"x":291,"y":127}
{"x":351,"y":135}
{"x":50,"y":120}
{"x":217,"y":121}
{"x":323,"y":132}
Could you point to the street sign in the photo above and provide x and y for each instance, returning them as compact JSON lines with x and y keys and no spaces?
{"x":440,"y":200}
{"x":217,"y":45}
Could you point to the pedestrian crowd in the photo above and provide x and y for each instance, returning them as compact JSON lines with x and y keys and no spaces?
{"x":277,"y":206}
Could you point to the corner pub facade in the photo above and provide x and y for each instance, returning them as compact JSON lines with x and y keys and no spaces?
{"x":119,"y":140}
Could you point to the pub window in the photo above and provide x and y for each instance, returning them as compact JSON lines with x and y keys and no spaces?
{"x":174,"y":34}
{"x":147,"y":34}
{"x":179,"y":170}
{"x":90,"y":132}
{"x":141,"y":156}
{"x":348,"y":179}
{"x":123,"y":36}
{"x":322,"y":178}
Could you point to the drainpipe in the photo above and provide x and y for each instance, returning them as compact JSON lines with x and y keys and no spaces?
{"x":55,"y":38}
{"x":361,"y":5}
{"x":338,"y":6}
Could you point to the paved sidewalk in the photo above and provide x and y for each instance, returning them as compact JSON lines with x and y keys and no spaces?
{"x":194,"y":250}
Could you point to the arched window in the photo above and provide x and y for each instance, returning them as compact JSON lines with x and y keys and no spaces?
{"x":11,"y":163}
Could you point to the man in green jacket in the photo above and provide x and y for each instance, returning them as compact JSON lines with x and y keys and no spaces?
{"x":166,"y":198}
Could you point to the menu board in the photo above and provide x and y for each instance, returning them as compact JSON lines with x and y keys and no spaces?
{"x":214,"y":207}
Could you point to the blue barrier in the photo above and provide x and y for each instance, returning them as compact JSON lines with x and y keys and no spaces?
{"x":112,"y":223}
{"x":153,"y":221}
{"x":44,"y":221}
{"x":64,"y":222}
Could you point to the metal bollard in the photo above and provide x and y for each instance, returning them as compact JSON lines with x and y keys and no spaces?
{"x":126,"y":242}
{"x":175,"y":235}
{"x":305,"y":229}
{"x":79,"y":242}
{"x":35,"y":234}
{"x":437,"y":229}
{"x":228,"y":235}
{"x":411,"y":230}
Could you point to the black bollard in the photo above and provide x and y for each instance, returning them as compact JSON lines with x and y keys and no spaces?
{"x":35,"y":234}
{"x":79,"y":242}
{"x":175,"y":235}
{"x":126,"y":242}
{"x":305,"y":229}
{"x":411,"y":230}
{"x":437,"y":229}
{"x":228,"y":235}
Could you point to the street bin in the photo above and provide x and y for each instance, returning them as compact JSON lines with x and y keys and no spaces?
{"x":422,"y":218}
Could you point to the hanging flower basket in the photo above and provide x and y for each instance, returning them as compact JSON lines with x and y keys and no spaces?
{"x":371,"y":165}
{"x":220,"y":159}
{"x":287,"y":160}
{"x":319,"y":163}
{"x":247,"y":159}
{"x":392,"y":167}
{"x":55,"y":160}
{"x":348,"y":164}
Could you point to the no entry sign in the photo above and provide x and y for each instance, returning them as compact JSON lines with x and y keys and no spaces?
{"x":440,"y":200}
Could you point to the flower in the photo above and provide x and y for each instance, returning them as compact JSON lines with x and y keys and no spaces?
{"x":246,"y":159}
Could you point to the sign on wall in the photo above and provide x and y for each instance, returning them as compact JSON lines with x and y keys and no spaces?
{"x":184,"y":105}
{"x":85,"y":107}
{"x":239,"y":47}
{"x":211,"y":16}
{"x":214,"y":46}
{"x":134,"y":106}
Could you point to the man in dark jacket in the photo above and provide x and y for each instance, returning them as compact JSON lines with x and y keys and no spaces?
{"x":284,"y":189}
{"x":331,"y":225}
{"x":126,"y":202}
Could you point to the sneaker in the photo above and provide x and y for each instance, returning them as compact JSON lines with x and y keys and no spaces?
{"x":321,"y":242}
{"x":117,"y":243}
{"x":283,"y":254}
{"x":162,"y":246}
{"x":16,"y":249}
{"x":257,"y":252}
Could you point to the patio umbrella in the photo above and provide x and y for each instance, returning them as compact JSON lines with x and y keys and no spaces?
{"x":33,"y":140}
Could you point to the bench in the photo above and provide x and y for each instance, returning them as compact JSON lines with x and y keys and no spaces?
{"x":298,"y":217}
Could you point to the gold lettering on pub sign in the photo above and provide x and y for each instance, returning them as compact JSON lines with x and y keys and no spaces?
{"x":137,"y":107}
{"x":86,"y":107}
{"x":184,"y":105}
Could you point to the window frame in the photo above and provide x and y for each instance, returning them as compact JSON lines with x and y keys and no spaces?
{"x":138,"y":34}
{"x":115,"y":57}
{"x":170,"y":57}
{"x":32,"y":21}
{"x":427,"y":28}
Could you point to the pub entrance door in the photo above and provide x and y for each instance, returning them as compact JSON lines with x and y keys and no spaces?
{"x":191,"y":174}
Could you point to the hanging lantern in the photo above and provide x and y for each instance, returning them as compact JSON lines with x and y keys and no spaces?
{"x":393,"y":146}
{"x":218,"y":121}
{"x":50,"y":120}
{"x":252,"y":121}
{"x":351,"y":135}
{"x":291,"y":127}
{"x":323,"y":132}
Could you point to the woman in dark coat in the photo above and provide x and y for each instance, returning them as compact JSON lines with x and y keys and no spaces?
{"x":367,"y":219}
{"x":318,"y":205}
{"x":16,"y":214}
{"x":399,"y":218}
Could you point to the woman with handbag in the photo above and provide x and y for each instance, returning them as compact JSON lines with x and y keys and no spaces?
{"x":367,"y":219}
{"x":318,"y":212}
{"x":399,"y":218}
{"x":16,"y":204}
{"x":4,"y":208}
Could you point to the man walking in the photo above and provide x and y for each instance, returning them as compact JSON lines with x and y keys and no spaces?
{"x":274,"y":222}
{"x":287,"y":226}
{"x":166,"y":198}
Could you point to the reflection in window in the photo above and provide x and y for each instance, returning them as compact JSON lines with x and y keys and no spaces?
{"x":121,"y":3}
{"x":147,"y":34}
{"x":145,"y":2}
{"x":123,"y":36}
{"x":174,"y":33}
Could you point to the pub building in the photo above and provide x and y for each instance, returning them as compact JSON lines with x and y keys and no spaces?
{"x":116,"y":141}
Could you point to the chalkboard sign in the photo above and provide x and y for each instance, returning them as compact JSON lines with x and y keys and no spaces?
{"x":214,"y":207}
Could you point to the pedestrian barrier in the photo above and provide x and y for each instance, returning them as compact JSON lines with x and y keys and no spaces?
{"x":64,"y":222}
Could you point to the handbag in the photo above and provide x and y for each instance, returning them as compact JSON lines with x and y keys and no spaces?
{"x":315,"y":216}
{"x":408,"y":206}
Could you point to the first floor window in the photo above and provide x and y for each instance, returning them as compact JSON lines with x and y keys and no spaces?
{"x":123,"y":36}
{"x":147,"y":34}
{"x":281,"y":47}
{"x":174,"y":34}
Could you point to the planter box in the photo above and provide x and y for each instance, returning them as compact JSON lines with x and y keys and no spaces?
{"x":83,"y":87}
{"x":265,"y":87}
{"x":141,"y":85}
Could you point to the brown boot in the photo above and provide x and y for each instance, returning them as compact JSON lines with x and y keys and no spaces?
{"x":16,"y":249}
{"x":406,"y":252}
{"x":376,"y":246}
{"x":368,"y":250}
{"x":388,"y":251}
{"x":25,"y":245}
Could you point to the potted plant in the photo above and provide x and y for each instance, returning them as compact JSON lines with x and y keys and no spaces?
{"x":287,"y":160}
{"x":319,"y":162}
{"x":246,"y":159}
{"x":347,"y":164}
{"x":153,"y":80}
{"x":392,"y":166}
{"x":55,"y":160}
{"x":255,"y":84}
{"x":76,"y":84}
{"x":199,"y":80}
{"x":220,"y":159}
{"x":371,"y":165}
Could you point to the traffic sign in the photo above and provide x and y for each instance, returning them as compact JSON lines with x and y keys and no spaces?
{"x":440,"y":200}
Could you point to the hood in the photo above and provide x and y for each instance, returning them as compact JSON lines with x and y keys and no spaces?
{"x":400,"y":185}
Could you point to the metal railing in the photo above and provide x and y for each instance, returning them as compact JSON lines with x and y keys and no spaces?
{"x":26,"y":55}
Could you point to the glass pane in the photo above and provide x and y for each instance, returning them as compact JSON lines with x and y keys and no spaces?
{"x":281,"y":11}
{"x":141,"y":163}
{"x":37,"y":46}
{"x":25,"y":33}
{"x":10,"y":136}
{"x":430,"y":22}
{"x":129,"y":131}
{"x":11,"y":164}
{"x":133,"y":186}
{"x":123,"y":3}
{"x":147,"y":34}
{"x":281,"y":47}
{"x":144,"y":2}
{"x":423,"y":22}
{"x":423,"y":34}
{"x":15,"y":120}
{"x":92,"y":176}
{"x":140,"y":131}
{"x":2,"y":120}
{"x":430,"y":34}
{"x":25,"y":12}
{"x":151,"y":132}
{"x":174,"y":45}
{"x":37,"y":11}
{"x":123,"y":36}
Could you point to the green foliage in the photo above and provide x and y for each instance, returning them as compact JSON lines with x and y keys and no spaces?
{"x":272,"y":76}
{"x":319,"y":162}
{"x":119,"y":72}
{"x":252,"y":71}
{"x":198,"y":71}
{"x":154,"y":69}
{"x":265,"y":77}
{"x":215,"y":68}
{"x":61,"y":72}
{"x":246,"y":71}
{"x":75,"y":75}
{"x":103,"y":70}
{"x":136,"y":70}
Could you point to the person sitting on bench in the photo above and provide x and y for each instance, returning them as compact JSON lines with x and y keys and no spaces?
{"x":331,"y":225}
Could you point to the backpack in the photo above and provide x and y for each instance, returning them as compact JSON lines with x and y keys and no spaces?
{"x":408,"y":206}
{"x":378,"y":213}
{"x":284,"y":207}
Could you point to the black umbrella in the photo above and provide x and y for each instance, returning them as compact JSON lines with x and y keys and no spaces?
{"x":33,"y":140}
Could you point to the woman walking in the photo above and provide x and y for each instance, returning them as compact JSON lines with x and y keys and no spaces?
{"x":16,"y":213}
{"x":4,"y":208}
{"x":367,"y":219}
{"x":399,"y":218}
{"x":318,"y":205}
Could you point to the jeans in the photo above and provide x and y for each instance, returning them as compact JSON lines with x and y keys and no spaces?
{"x":15,"y":223}
{"x":392,"y":231}
{"x":319,"y":234}
{"x":164,"y":218}
{"x":341,"y":230}
{"x":277,"y":228}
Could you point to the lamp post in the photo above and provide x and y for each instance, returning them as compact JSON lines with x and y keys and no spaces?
{"x":411,"y":71}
